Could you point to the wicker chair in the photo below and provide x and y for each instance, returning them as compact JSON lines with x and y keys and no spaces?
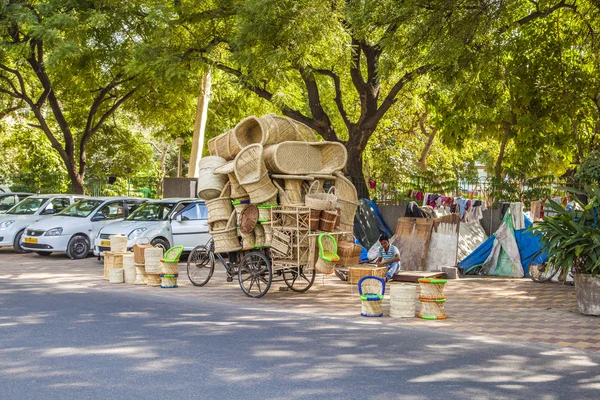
{"x":371,"y":290}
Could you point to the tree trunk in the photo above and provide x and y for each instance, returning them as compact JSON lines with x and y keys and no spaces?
{"x":425,"y":151}
{"x":354,"y":170}
{"x":199,"y":126}
{"x":76,"y":179}
{"x":498,"y":167}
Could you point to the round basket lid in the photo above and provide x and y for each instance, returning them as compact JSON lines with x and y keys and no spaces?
{"x":248,"y":219}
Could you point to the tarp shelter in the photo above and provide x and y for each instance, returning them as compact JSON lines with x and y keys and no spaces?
{"x":369,"y":224}
{"x":507,"y":252}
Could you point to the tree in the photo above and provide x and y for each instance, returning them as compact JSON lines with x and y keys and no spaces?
{"x":74,"y":65}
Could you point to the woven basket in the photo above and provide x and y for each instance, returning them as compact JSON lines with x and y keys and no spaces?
{"x":153,"y":255}
{"x":210,"y":185}
{"x":138,"y":249}
{"x":251,"y":130}
{"x":140,"y":275}
{"x":251,"y":173}
{"x":403,"y":300}
{"x":264,"y":211}
{"x":118,"y":243}
{"x":239,"y":207}
{"x":280,"y":129}
{"x":225,"y":146}
{"x":237,"y":190}
{"x":128,"y":269}
{"x":112,"y":260}
{"x":219,"y":209}
{"x":328,"y":220}
{"x":248,"y":219}
{"x":315,"y":216}
{"x":248,"y":240}
{"x":268,"y":231}
{"x":286,"y":199}
{"x":303,"y":158}
{"x":169,"y":267}
{"x":432,"y":308}
{"x":168,"y":281}
{"x":321,"y":201}
{"x":116,"y":275}
{"x":372,"y":290}
{"x":217,"y":225}
{"x":226,"y":240}
{"x":153,"y":280}
{"x":324,"y":267}
{"x":292,"y":192}
{"x":349,"y":253}
{"x":358,"y":272}
{"x":259,"y":236}
{"x":433,"y":288}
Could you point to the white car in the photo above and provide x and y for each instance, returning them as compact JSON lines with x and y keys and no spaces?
{"x":166,"y":223}
{"x":29,"y":211}
{"x":74,"y":229}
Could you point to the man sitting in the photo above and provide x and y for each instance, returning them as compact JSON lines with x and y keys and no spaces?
{"x":389,"y":256}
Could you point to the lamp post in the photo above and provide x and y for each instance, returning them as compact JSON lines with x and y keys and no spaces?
{"x":179,"y":142}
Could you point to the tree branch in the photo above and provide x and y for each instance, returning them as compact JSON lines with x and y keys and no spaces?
{"x":314,"y":101}
{"x":8,"y":111}
{"x":338,"y":95}
{"x":537,"y":15}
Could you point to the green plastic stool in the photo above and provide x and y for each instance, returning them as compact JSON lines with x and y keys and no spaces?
{"x":172,"y":255}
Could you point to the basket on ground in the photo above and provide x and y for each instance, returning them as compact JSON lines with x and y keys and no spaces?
{"x":138,"y":249}
{"x":403,"y":301}
{"x":152,"y":256}
{"x":432,"y":308}
{"x":433,"y":288}
{"x":118,"y":243}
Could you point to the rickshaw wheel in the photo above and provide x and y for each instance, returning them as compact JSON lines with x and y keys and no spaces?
{"x":255,"y":274}
{"x":300,"y":279}
{"x":200,"y":265}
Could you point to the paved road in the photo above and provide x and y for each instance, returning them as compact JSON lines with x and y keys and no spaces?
{"x":61,"y":338}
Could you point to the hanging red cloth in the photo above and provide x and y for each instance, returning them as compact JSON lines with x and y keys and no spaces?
{"x":372,"y":184}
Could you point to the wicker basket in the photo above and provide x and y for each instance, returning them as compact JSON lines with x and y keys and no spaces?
{"x":268,"y":230}
{"x":250,"y":171}
{"x":248,"y":240}
{"x":327,"y":254}
{"x":118,"y":243}
{"x":281,"y":129}
{"x":219,"y":209}
{"x":239,"y":207}
{"x":169,"y":267}
{"x":153,"y":255}
{"x":225,"y":146}
{"x":210,"y":185}
{"x":315,"y":216}
{"x":285,"y":198}
{"x":328,"y":220}
{"x":349,"y":253}
{"x":372,"y":290}
{"x":432,"y":308}
{"x":237,"y":190}
{"x":116,"y":275}
{"x":112,"y":260}
{"x":128,"y":268}
{"x":138,"y":249}
{"x":251,"y":130}
{"x":259,"y":236}
{"x":304,"y":158}
{"x":264,"y":210}
{"x":321,"y":201}
{"x":248,"y":219}
{"x":140,"y":275}
{"x":292,"y":192}
{"x":357,"y":272}
{"x":403,"y":301}
{"x":226,"y":240}
{"x":217,"y":225}
{"x":433,"y":288}
{"x":153,"y":280}
{"x":168,"y":281}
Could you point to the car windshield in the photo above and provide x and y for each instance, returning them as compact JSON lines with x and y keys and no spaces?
{"x":81,"y":209}
{"x":152,"y":212}
{"x":28,"y":206}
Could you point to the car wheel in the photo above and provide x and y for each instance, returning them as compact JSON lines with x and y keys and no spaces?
{"x":158,"y":242}
{"x":17,"y":242}
{"x":43,"y":253}
{"x":78,"y":247}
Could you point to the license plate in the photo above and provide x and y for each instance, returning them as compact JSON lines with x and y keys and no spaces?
{"x":30,"y":240}
{"x":105,"y":243}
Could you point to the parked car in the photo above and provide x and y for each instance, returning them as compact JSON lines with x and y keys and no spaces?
{"x":29,"y":211}
{"x":8,"y":200}
{"x":74,"y":229}
{"x":166,"y":223}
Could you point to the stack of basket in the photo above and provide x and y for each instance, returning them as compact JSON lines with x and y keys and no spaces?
{"x":403,"y":301}
{"x":115,"y":258}
{"x":432,"y":298}
{"x":139,"y":260}
{"x":269,"y":162}
{"x":152,"y":265}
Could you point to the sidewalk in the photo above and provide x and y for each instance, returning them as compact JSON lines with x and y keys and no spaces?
{"x":510,"y":309}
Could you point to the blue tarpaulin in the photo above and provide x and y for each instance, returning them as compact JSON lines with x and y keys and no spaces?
{"x":369,"y":224}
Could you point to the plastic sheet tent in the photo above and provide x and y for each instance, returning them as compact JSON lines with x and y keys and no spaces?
{"x":369,"y":224}
{"x":508,"y":252}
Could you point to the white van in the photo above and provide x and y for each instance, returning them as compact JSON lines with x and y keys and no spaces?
{"x":74,"y":229}
{"x":166,"y":223}
{"x":28,"y":211}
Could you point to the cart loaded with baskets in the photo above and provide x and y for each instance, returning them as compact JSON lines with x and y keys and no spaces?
{"x":278,"y":205}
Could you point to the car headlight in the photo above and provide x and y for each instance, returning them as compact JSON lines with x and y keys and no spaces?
{"x":136,"y":233}
{"x":6,"y":224}
{"x":54,"y":232}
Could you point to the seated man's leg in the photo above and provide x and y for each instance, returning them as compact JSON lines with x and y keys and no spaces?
{"x":392,"y":269}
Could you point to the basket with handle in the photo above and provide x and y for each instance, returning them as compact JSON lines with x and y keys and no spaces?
{"x":251,"y":173}
{"x":328,"y":256}
{"x":226,"y":240}
{"x":138,"y":249}
{"x":327,"y":220}
{"x":210,"y":184}
{"x":305,"y":158}
{"x":371,"y":290}
{"x":321,"y":201}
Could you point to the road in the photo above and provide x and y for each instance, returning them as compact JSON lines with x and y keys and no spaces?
{"x":75,"y":341}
